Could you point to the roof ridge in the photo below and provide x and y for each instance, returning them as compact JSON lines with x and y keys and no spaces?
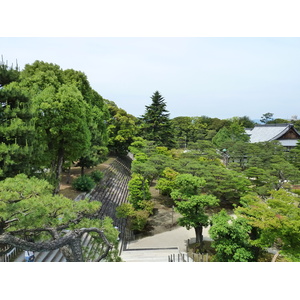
{"x":273,"y":125}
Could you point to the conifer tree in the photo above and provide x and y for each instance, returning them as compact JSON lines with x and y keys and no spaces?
{"x":156,"y":124}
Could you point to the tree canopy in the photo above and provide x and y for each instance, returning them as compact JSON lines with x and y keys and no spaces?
{"x":156,"y":124}
{"x":28,"y":209}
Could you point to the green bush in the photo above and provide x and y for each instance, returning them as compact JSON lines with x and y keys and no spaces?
{"x":296,"y":191}
{"x":83,"y":183}
{"x":96,"y":175}
{"x":139,"y":220}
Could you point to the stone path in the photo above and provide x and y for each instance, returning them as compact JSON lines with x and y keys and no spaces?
{"x":158,"y":247}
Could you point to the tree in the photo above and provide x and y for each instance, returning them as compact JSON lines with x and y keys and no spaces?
{"x":294,"y":156}
{"x":277,"y":221}
{"x":63,"y":123}
{"x":230,"y":238}
{"x":16,"y":126}
{"x":266,"y":118}
{"x":192,"y":204}
{"x":138,"y":188}
{"x":234,"y":132}
{"x":122,"y":129}
{"x":156,"y":124}
{"x":262,"y":181}
{"x":97,"y":118}
{"x":28,"y":209}
{"x":227,"y":185}
{"x":137,"y":217}
{"x":166,"y":183}
{"x":187,"y":130}
{"x":69,"y":118}
{"x":8,"y":74}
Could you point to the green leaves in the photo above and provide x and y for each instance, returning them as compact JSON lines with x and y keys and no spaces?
{"x":156,"y":124}
{"x":278,"y":220}
{"x":230,"y":238}
{"x":29,"y":201}
{"x":192,"y":202}
{"x":187,"y":185}
{"x":138,"y":190}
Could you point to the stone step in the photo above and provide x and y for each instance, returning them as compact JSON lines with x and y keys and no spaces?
{"x":149,"y":254}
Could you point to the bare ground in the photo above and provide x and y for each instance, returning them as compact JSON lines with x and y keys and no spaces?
{"x":164,"y":217}
{"x":66,"y":188}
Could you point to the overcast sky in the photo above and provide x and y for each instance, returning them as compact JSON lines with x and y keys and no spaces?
{"x":217,"y":77}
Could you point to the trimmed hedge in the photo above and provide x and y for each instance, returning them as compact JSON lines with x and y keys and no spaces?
{"x":83,"y":183}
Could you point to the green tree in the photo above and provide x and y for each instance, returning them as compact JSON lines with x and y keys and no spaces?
{"x":138,"y":188}
{"x":192,"y":204}
{"x":156,"y":124}
{"x":166,"y":183}
{"x":28,"y":209}
{"x":227,"y":185}
{"x":69,"y":118}
{"x":276,"y":220}
{"x":97,"y":119}
{"x":294,"y":156}
{"x":234,"y":132}
{"x":63,"y":123}
{"x":262,"y":181}
{"x":266,"y":118}
{"x":16,"y":126}
{"x":231,"y":238}
{"x":122,"y":129}
{"x":8,"y":74}
{"x":137,"y":217}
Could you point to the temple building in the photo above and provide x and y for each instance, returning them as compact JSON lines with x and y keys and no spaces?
{"x":286,"y":134}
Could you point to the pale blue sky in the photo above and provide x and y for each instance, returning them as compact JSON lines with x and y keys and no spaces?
{"x":217,"y":77}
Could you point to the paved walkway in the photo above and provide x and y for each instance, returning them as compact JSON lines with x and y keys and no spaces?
{"x":156,"y":248}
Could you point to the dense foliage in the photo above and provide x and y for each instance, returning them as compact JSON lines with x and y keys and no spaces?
{"x":51,"y":119}
{"x":28,"y":209}
{"x":156,"y":124}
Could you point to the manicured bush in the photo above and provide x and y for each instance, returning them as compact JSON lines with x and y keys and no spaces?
{"x":83,"y":183}
{"x":96,"y":175}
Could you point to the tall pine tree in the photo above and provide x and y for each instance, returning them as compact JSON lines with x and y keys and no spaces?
{"x":156,"y":124}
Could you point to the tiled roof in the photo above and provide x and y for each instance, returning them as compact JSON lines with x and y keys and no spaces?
{"x":265,"y":133}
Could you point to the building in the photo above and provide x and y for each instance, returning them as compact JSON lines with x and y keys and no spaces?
{"x":286,"y":134}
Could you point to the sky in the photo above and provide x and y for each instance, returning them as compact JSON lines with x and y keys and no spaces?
{"x":219,"y":77}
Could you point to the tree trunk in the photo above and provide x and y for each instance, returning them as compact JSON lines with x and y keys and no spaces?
{"x":76,"y":249}
{"x":58,"y":169}
{"x":82,"y":171}
{"x":70,"y":243}
{"x":69,"y":175}
{"x":275,"y":256}
{"x":199,"y":235}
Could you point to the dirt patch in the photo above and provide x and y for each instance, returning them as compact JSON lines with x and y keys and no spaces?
{"x":164,"y":216}
{"x":66,"y":188}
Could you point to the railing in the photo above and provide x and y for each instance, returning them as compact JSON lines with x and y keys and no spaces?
{"x":179,"y":257}
{"x":184,"y":257}
{"x":8,"y":256}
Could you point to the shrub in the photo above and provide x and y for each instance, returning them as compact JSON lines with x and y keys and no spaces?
{"x":96,"y":175}
{"x":138,"y":190}
{"x":139,"y":220}
{"x":83,"y":183}
{"x":296,"y":191}
{"x":147,"y":205}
